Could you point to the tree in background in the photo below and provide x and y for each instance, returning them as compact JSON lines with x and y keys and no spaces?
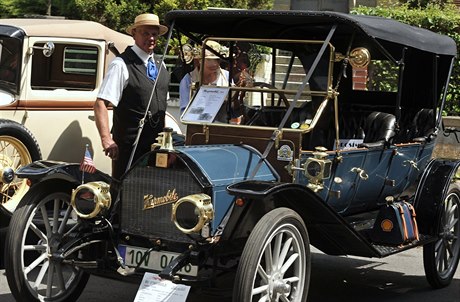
{"x":21,"y":8}
{"x":424,"y":3}
{"x":116,"y":14}
{"x":119,"y":14}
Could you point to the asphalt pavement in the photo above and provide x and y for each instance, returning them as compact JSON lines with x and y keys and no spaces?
{"x":398,"y":278}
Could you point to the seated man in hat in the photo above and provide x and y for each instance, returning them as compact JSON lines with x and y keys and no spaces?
{"x":128,"y":86}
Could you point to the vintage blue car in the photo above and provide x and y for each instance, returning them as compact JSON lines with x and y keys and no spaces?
{"x":322,"y":135}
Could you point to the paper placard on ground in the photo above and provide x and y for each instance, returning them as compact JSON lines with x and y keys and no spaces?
{"x":155,"y":289}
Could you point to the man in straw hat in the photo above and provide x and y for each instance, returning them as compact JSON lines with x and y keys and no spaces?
{"x":128,"y":86}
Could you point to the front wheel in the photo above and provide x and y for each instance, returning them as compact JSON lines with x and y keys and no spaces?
{"x":275,"y":263}
{"x":35,"y":267}
{"x":441,"y":257}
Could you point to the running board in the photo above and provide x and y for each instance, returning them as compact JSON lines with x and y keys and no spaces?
{"x":386,"y":250}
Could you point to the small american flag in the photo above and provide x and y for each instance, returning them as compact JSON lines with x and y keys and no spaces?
{"x":87,"y":164}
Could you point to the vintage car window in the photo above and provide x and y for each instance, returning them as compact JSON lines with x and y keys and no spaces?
{"x":9,"y":58}
{"x":79,"y":60}
{"x":70,"y":67}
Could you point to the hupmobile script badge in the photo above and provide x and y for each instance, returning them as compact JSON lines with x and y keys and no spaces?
{"x":285,"y":153}
{"x":151,"y":201}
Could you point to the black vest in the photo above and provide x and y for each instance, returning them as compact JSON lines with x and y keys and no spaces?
{"x":135,"y":98}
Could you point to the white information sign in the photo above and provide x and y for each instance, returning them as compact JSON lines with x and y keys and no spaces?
{"x":155,"y":289}
{"x":206,"y":104}
{"x":348,"y":143}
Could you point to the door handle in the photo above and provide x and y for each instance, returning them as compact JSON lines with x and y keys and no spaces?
{"x":361,"y":173}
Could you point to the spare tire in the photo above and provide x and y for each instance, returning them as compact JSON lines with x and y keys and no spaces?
{"x":18,"y":147}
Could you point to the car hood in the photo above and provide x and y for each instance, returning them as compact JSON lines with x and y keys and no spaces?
{"x":226,"y":164}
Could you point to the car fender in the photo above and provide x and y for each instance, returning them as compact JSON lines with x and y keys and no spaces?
{"x":46,"y":169}
{"x":328,"y":231}
{"x":431,"y":191}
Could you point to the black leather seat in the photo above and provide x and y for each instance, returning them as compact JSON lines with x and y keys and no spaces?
{"x":379,"y":130}
{"x":423,"y":126}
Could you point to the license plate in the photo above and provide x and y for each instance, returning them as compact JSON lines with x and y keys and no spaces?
{"x":155,"y":260}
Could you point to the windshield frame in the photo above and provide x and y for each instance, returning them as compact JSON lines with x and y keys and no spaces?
{"x":320,"y":95}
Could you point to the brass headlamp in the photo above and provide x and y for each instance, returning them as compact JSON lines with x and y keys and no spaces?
{"x":89,"y":199}
{"x":191,"y":213}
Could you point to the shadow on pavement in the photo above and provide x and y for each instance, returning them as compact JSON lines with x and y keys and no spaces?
{"x":333,"y":279}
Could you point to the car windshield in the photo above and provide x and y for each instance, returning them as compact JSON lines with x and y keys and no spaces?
{"x":9,"y":62}
{"x":258,"y":75}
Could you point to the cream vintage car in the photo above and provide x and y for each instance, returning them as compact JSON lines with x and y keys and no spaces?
{"x":50,"y":74}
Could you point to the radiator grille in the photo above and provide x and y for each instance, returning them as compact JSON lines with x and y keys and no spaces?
{"x":150,"y":180}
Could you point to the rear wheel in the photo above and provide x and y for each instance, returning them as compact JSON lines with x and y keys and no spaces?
{"x":275,"y":263}
{"x":441,"y":258}
{"x":35,"y":267}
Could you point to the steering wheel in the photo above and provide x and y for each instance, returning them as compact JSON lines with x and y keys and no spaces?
{"x":280,"y":93}
{"x":259,"y":112}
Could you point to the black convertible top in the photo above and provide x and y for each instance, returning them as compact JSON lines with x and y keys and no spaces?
{"x":309,"y":25}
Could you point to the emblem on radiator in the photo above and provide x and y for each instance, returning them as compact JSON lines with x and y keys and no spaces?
{"x":285,"y":153}
{"x":151,"y":201}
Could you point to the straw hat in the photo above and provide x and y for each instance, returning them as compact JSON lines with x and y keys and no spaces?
{"x":147,"y":19}
{"x":216,"y":47}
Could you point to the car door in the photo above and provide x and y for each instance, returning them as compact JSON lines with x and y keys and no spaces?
{"x":58,"y":93}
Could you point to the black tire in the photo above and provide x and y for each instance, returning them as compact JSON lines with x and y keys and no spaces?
{"x":18,"y":148}
{"x":38,"y":228}
{"x":279,"y":241}
{"x":14,"y":129}
{"x":440,"y":258}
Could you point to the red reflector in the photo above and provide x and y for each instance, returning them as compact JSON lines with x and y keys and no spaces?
{"x":239,"y":202}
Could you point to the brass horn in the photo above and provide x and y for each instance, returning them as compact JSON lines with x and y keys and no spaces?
{"x":360,"y":57}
